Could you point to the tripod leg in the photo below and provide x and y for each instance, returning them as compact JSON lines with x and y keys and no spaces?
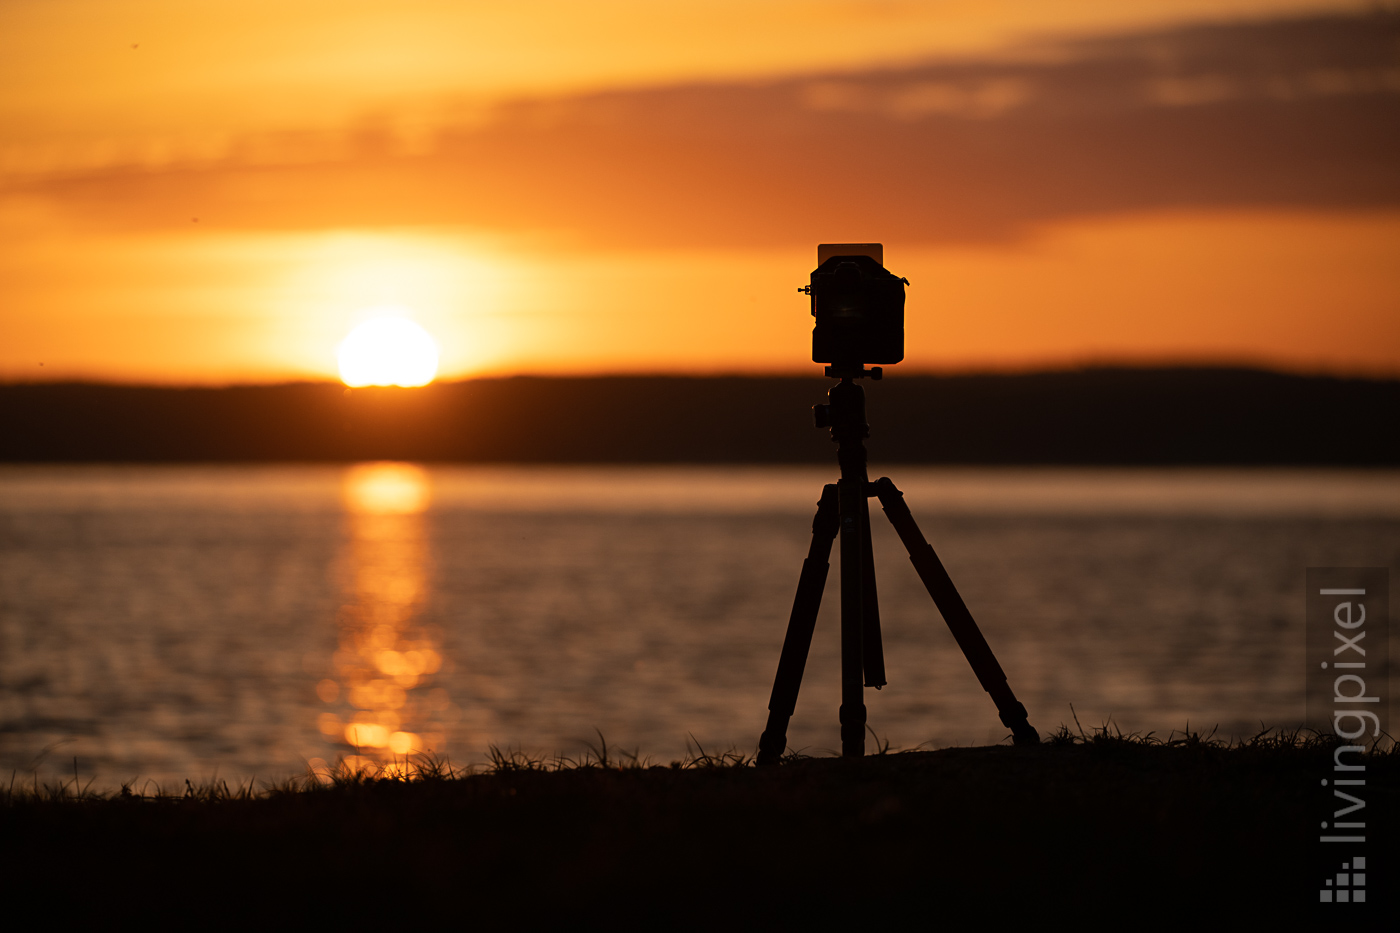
{"x":803,"y":620}
{"x":851,"y":493}
{"x":873,"y":652}
{"x":945,"y":596}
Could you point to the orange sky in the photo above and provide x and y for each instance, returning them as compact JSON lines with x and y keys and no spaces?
{"x":216,"y":192}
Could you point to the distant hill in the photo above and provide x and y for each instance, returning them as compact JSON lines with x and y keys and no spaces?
{"x":1095,"y":416}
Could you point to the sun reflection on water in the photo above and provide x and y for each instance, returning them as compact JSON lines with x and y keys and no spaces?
{"x":386,"y":708}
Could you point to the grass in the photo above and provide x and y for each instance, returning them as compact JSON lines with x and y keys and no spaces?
{"x":1292,"y":745}
{"x":1090,"y":821}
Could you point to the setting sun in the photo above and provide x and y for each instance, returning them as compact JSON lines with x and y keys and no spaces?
{"x":388,"y":351}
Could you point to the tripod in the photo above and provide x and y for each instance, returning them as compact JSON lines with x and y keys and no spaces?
{"x":844,"y":509}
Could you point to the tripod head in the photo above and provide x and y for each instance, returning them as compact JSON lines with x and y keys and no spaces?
{"x":844,"y":414}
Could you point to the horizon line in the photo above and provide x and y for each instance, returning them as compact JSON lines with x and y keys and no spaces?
{"x":693,"y":375}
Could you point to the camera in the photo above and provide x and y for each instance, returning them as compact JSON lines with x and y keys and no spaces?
{"x":858,"y":304}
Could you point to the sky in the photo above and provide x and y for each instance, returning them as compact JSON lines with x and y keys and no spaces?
{"x":219,"y":192}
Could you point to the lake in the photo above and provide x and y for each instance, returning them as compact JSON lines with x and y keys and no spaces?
{"x":163,"y":623}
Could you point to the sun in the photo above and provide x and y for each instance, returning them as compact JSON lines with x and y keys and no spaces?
{"x":388,"y":351}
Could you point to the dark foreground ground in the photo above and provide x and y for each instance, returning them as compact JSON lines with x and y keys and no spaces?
{"x":1078,"y":832}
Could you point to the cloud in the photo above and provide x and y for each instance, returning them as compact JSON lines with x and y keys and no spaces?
{"x":1300,"y":113}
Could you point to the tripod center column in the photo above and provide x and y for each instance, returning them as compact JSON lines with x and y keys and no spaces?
{"x":849,"y":430}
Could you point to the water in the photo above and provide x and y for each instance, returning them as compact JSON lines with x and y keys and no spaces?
{"x":159,"y":623}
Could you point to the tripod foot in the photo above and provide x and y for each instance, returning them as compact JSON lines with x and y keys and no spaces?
{"x":1024,"y":735}
{"x":1013,"y":715}
{"x":773,"y":742}
{"x":1022,"y":732}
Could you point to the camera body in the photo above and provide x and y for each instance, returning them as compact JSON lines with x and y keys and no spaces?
{"x":858,"y":304}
